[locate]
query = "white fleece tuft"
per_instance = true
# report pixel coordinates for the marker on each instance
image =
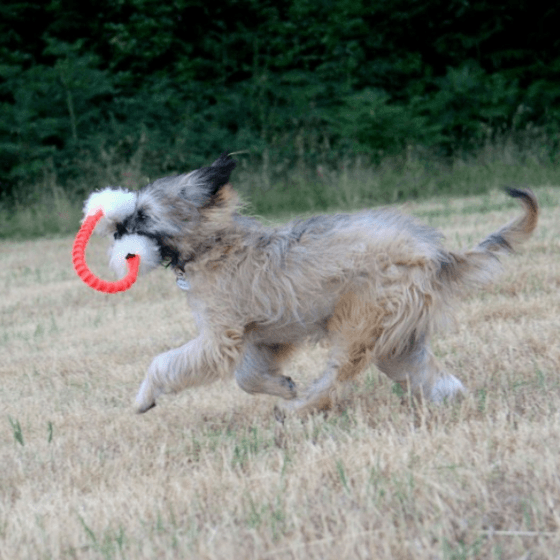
(136, 245)
(117, 204)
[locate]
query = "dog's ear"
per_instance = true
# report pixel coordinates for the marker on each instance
(201, 185)
(197, 187)
(217, 175)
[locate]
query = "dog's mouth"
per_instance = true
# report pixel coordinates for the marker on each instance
(128, 244)
(170, 258)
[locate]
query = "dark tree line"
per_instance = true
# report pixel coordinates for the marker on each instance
(286, 80)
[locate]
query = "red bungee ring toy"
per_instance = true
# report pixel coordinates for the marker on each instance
(82, 269)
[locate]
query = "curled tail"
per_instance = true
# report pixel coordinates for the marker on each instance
(480, 265)
(519, 230)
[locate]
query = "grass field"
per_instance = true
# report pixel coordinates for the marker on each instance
(210, 474)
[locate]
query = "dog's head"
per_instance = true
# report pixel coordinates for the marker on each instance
(165, 220)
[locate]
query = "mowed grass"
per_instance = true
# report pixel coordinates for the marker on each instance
(210, 474)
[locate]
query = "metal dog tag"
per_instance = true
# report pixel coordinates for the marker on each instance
(183, 283)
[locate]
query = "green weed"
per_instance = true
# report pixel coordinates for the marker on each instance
(111, 545)
(17, 431)
(461, 550)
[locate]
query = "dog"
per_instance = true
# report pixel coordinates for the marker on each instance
(375, 285)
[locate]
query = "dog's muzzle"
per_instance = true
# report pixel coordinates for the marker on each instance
(135, 244)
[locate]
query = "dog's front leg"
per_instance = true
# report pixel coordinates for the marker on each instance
(199, 362)
(260, 370)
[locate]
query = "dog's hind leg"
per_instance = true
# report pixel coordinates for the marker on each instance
(353, 330)
(417, 369)
(344, 365)
(259, 371)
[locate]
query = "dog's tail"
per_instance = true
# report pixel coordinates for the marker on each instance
(480, 265)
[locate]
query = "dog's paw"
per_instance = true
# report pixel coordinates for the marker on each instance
(446, 388)
(290, 409)
(289, 390)
(141, 408)
(146, 397)
(303, 407)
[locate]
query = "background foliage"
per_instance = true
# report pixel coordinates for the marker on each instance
(104, 91)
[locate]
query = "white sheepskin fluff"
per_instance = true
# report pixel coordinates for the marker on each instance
(136, 245)
(117, 204)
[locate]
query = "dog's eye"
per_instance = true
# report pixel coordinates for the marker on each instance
(140, 216)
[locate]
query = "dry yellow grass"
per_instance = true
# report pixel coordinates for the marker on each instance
(209, 473)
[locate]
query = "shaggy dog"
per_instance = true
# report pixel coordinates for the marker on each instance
(374, 285)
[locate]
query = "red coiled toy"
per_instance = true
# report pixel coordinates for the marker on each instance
(81, 267)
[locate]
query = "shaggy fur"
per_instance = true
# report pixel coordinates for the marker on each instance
(375, 285)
